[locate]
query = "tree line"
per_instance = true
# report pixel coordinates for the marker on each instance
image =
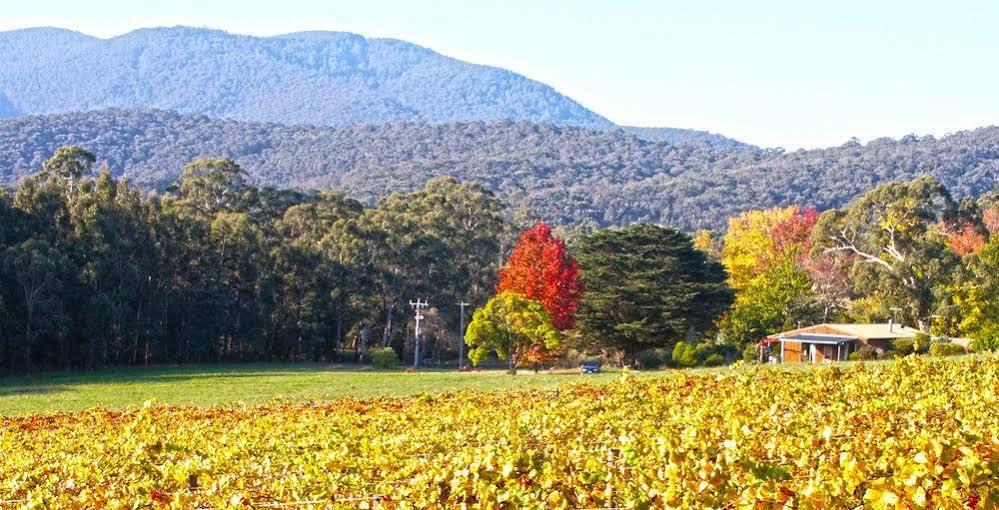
(97, 273)
(904, 252)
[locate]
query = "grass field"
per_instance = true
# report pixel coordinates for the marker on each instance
(206, 385)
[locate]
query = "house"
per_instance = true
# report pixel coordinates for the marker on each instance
(835, 342)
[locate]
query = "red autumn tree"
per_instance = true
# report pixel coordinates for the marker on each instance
(795, 232)
(541, 268)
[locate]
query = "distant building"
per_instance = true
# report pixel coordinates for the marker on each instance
(834, 342)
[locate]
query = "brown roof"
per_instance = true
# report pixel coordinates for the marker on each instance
(865, 331)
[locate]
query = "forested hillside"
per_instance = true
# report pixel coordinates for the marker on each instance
(685, 136)
(568, 175)
(326, 78)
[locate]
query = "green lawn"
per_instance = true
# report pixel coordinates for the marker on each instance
(207, 385)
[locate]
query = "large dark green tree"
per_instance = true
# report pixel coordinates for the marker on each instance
(646, 286)
(35, 270)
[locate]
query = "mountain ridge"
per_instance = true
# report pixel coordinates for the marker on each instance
(567, 174)
(322, 78)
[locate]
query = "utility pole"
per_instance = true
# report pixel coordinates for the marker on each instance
(418, 307)
(461, 334)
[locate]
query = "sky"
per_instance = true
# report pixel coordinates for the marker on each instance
(776, 73)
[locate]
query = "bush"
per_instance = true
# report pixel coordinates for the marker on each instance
(987, 340)
(684, 355)
(705, 350)
(652, 358)
(751, 353)
(903, 346)
(714, 360)
(384, 357)
(866, 352)
(946, 349)
(921, 343)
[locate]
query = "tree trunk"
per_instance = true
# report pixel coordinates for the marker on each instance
(339, 333)
(387, 332)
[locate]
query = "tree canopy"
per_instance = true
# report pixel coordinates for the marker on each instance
(570, 176)
(511, 326)
(540, 268)
(646, 286)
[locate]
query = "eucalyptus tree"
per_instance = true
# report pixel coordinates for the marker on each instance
(897, 236)
(36, 268)
(114, 250)
(211, 184)
(70, 164)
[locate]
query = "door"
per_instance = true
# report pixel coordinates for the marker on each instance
(792, 351)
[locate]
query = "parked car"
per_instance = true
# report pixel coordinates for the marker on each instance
(590, 367)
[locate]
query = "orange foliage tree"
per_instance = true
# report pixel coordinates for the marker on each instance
(541, 269)
(965, 239)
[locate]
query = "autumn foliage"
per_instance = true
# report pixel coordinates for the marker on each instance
(966, 240)
(541, 269)
(795, 231)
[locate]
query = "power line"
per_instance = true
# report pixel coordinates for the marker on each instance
(418, 307)
(461, 335)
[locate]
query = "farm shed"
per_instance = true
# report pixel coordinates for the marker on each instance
(835, 342)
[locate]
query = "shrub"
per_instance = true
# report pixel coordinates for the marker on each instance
(705, 350)
(866, 352)
(987, 340)
(946, 349)
(714, 360)
(751, 353)
(652, 358)
(384, 357)
(921, 343)
(684, 355)
(903, 346)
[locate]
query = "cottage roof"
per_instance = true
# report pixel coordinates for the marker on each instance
(876, 330)
(865, 331)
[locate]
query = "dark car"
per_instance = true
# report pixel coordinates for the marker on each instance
(590, 367)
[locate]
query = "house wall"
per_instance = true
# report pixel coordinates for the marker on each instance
(792, 352)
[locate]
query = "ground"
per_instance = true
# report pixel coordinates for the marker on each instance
(206, 385)
(258, 383)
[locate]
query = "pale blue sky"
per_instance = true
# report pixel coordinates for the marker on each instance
(775, 73)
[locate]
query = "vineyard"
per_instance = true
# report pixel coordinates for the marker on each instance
(915, 433)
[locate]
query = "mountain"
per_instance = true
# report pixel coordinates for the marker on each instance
(568, 174)
(323, 78)
(320, 78)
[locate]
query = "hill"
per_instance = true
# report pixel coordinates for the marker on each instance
(320, 78)
(324, 78)
(678, 136)
(568, 174)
